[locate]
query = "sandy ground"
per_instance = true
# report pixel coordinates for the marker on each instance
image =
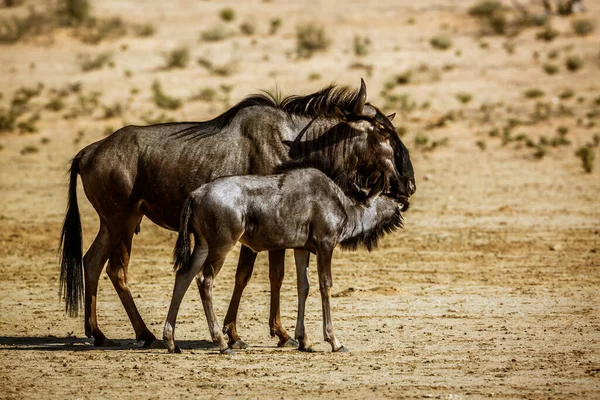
(491, 290)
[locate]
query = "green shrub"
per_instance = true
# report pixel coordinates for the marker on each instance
(206, 94)
(77, 11)
(441, 42)
(91, 63)
(55, 104)
(144, 30)
(227, 14)
(548, 33)
(533, 93)
(566, 94)
(96, 30)
(361, 45)
(215, 34)
(586, 154)
(551, 69)
(574, 63)
(274, 25)
(485, 8)
(162, 100)
(583, 27)
(310, 39)
(248, 28)
(16, 28)
(29, 149)
(464, 97)
(112, 111)
(177, 58)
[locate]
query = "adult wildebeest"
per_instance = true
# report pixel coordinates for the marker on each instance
(302, 209)
(150, 171)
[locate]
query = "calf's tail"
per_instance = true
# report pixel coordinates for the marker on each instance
(182, 251)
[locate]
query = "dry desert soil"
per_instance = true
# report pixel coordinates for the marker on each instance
(490, 290)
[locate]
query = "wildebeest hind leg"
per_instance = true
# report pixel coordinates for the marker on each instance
(242, 276)
(93, 264)
(117, 272)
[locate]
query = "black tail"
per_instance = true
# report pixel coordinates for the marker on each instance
(71, 265)
(182, 252)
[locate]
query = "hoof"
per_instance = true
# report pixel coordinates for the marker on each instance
(155, 344)
(238, 345)
(306, 349)
(228, 352)
(342, 350)
(176, 350)
(104, 342)
(289, 343)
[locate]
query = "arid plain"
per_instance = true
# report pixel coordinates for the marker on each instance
(490, 290)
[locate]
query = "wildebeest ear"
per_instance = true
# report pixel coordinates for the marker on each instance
(377, 188)
(362, 109)
(391, 116)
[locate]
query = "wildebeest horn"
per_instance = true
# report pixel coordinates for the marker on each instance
(391, 116)
(359, 107)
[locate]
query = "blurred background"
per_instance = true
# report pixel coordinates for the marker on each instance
(491, 288)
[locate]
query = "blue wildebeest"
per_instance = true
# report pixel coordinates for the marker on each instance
(149, 171)
(301, 209)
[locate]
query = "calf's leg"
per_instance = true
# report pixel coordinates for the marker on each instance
(302, 258)
(325, 283)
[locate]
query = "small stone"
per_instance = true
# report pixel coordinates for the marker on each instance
(556, 247)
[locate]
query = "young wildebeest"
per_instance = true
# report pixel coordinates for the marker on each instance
(302, 209)
(149, 171)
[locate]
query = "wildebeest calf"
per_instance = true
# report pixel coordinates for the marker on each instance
(300, 209)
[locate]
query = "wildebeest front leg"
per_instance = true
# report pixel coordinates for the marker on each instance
(276, 274)
(302, 259)
(183, 278)
(242, 277)
(325, 283)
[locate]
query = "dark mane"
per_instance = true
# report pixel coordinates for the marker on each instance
(331, 101)
(370, 239)
(328, 102)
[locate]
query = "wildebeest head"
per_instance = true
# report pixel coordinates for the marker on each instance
(386, 152)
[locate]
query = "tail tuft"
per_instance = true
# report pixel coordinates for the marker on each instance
(71, 250)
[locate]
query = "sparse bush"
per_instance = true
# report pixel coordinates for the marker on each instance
(112, 111)
(248, 28)
(55, 104)
(162, 100)
(361, 45)
(540, 152)
(77, 11)
(227, 69)
(204, 62)
(464, 97)
(485, 8)
(548, 33)
(586, 154)
(28, 125)
(227, 14)
(310, 39)
(96, 30)
(533, 93)
(314, 76)
(441, 42)
(45, 140)
(90, 63)
(481, 144)
(177, 58)
(574, 63)
(274, 25)
(551, 69)
(566, 94)
(402, 78)
(206, 94)
(29, 149)
(13, 3)
(215, 34)
(16, 28)
(144, 30)
(583, 27)
(498, 23)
